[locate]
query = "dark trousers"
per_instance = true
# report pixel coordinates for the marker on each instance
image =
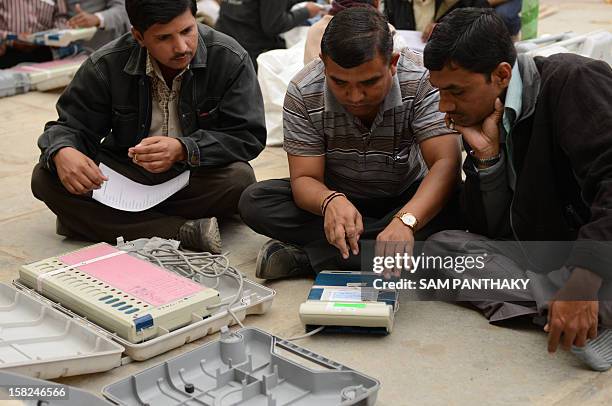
(510, 13)
(211, 192)
(506, 260)
(13, 56)
(269, 209)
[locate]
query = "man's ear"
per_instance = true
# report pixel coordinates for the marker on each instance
(393, 63)
(502, 74)
(137, 36)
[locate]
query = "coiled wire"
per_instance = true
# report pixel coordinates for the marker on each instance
(200, 267)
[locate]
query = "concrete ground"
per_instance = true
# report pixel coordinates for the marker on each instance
(438, 353)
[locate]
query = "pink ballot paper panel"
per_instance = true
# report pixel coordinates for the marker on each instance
(48, 66)
(139, 278)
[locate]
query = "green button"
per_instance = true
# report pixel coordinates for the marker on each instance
(353, 305)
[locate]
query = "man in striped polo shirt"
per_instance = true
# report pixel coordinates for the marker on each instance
(25, 17)
(369, 154)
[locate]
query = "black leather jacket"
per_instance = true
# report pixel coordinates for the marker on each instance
(108, 104)
(401, 15)
(561, 153)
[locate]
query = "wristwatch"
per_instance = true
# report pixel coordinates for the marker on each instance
(485, 162)
(408, 219)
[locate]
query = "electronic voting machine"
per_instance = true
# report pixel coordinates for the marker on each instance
(125, 295)
(347, 301)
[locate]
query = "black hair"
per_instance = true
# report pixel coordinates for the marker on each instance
(475, 39)
(339, 5)
(355, 36)
(145, 13)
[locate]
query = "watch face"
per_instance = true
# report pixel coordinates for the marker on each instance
(409, 219)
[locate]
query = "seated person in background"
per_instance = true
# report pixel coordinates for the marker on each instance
(24, 17)
(421, 15)
(539, 169)
(109, 16)
(509, 11)
(172, 96)
(256, 24)
(315, 32)
(369, 155)
(209, 11)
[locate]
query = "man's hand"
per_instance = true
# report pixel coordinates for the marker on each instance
(396, 238)
(77, 172)
(576, 321)
(22, 43)
(157, 154)
(2, 48)
(343, 224)
(83, 19)
(572, 316)
(484, 139)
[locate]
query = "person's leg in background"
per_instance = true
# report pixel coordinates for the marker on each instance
(509, 11)
(14, 56)
(185, 216)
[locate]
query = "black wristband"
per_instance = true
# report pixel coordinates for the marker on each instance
(330, 199)
(324, 202)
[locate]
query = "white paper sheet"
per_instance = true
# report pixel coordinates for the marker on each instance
(124, 194)
(414, 39)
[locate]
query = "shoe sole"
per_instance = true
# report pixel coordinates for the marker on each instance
(213, 230)
(260, 257)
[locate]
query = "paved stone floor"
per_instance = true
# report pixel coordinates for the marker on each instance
(438, 353)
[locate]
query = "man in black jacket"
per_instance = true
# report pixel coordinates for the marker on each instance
(420, 15)
(256, 24)
(172, 96)
(538, 132)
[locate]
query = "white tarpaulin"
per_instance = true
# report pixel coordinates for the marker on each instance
(276, 68)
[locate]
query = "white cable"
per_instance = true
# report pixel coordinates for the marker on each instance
(309, 334)
(195, 266)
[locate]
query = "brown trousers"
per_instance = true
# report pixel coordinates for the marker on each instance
(211, 192)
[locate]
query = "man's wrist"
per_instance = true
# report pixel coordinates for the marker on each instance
(582, 285)
(181, 155)
(587, 280)
(485, 153)
(100, 18)
(398, 221)
(324, 196)
(485, 159)
(330, 198)
(407, 219)
(55, 154)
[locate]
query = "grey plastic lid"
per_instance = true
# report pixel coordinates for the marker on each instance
(245, 368)
(40, 341)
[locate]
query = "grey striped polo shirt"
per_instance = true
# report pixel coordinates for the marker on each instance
(382, 161)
